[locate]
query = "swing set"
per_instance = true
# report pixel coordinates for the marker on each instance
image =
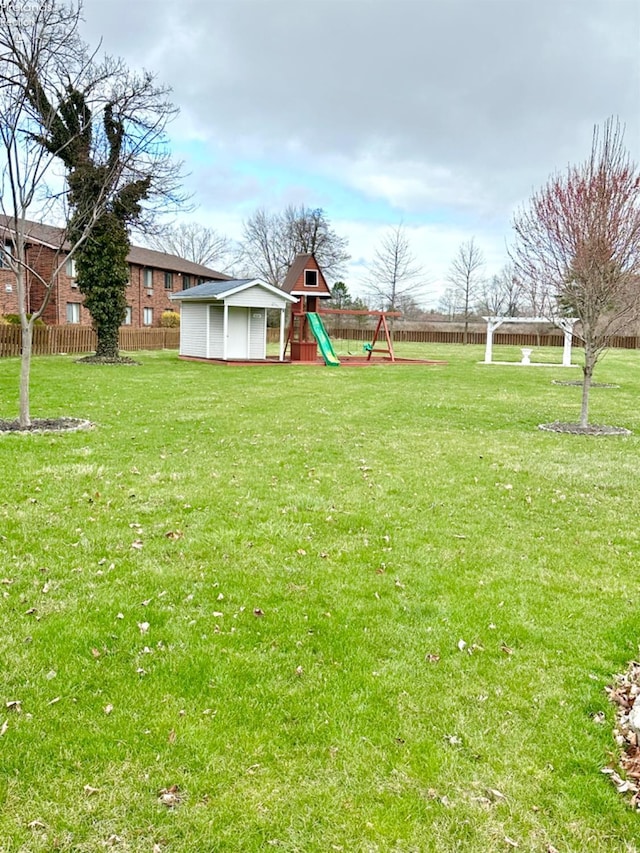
(381, 335)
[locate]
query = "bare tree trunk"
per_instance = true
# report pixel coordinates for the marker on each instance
(465, 334)
(25, 371)
(589, 364)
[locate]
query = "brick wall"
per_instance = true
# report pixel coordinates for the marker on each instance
(138, 295)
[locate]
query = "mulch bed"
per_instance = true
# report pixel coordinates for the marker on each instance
(99, 359)
(579, 384)
(590, 429)
(623, 693)
(45, 425)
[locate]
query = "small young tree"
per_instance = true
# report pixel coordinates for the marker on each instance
(38, 42)
(465, 277)
(578, 246)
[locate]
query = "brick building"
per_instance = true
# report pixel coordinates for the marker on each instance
(153, 277)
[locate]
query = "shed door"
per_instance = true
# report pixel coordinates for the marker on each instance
(257, 337)
(238, 333)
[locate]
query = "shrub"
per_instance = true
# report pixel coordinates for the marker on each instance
(14, 320)
(170, 320)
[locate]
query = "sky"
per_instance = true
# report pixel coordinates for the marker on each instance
(443, 115)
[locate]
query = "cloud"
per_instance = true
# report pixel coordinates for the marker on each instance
(442, 114)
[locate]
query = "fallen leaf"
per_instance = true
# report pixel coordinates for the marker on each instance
(432, 658)
(37, 824)
(258, 612)
(495, 795)
(462, 645)
(511, 842)
(174, 534)
(89, 790)
(14, 705)
(172, 736)
(4, 727)
(299, 671)
(96, 653)
(170, 797)
(108, 709)
(144, 627)
(506, 649)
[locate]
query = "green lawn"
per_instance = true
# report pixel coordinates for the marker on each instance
(252, 583)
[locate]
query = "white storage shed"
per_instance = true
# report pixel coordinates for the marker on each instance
(227, 320)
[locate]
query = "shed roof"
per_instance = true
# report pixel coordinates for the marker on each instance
(218, 290)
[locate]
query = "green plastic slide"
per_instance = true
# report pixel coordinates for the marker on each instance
(324, 342)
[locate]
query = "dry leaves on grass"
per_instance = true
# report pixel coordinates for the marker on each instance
(170, 797)
(624, 693)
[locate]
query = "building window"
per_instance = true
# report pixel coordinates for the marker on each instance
(186, 282)
(127, 316)
(130, 279)
(71, 268)
(148, 278)
(5, 254)
(147, 318)
(168, 281)
(311, 278)
(73, 312)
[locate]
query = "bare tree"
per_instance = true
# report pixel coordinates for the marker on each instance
(465, 276)
(109, 131)
(578, 245)
(271, 241)
(394, 272)
(197, 243)
(447, 303)
(502, 294)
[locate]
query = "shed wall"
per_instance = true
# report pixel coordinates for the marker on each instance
(216, 327)
(257, 333)
(193, 330)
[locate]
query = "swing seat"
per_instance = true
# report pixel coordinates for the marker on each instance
(367, 348)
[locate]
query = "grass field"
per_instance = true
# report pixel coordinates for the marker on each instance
(252, 583)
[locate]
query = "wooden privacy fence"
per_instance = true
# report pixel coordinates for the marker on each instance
(438, 336)
(53, 340)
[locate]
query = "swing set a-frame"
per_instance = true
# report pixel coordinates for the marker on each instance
(381, 335)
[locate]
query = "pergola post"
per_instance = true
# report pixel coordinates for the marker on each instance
(493, 323)
(567, 328)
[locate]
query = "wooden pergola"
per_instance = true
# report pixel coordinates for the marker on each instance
(564, 323)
